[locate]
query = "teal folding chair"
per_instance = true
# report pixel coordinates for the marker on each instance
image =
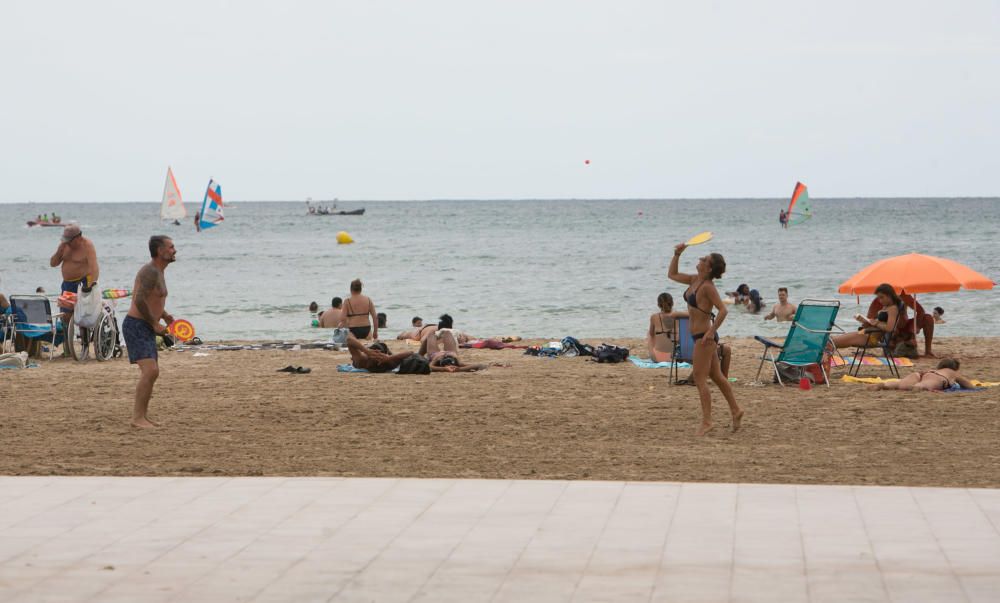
(807, 338)
(33, 320)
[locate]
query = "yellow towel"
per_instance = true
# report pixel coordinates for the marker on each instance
(849, 379)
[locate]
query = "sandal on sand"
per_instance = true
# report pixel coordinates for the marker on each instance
(287, 369)
(302, 370)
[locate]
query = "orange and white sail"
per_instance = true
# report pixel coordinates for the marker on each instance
(172, 207)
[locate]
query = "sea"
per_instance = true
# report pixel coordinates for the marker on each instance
(535, 268)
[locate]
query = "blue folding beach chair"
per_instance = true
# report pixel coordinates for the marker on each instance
(807, 338)
(33, 320)
(683, 347)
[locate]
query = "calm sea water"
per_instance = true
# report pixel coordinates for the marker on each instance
(592, 269)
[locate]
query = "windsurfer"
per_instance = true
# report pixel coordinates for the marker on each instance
(142, 324)
(197, 221)
(783, 219)
(77, 256)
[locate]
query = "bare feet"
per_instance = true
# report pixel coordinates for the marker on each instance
(143, 423)
(704, 429)
(155, 423)
(737, 420)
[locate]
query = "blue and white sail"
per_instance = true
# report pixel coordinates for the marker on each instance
(211, 207)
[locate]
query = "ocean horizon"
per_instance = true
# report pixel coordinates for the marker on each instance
(536, 268)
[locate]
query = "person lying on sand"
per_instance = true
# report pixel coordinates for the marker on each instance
(441, 351)
(943, 377)
(373, 360)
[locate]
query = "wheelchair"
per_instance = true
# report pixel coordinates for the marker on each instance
(104, 337)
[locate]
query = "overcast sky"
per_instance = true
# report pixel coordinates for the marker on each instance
(506, 99)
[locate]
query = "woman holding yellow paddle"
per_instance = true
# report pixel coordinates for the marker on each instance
(701, 297)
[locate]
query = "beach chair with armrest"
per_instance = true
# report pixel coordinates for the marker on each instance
(807, 338)
(683, 347)
(33, 320)
(6, 331)
(884, 343)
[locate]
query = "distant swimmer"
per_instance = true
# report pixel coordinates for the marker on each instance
(783, 310)
(142, 324)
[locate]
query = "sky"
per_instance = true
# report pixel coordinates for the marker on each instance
(443, 99)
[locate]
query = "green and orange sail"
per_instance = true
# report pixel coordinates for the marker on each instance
(799, 208)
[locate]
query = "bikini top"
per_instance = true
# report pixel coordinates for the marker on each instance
(663, 330)
(691, 297)
(349, 314)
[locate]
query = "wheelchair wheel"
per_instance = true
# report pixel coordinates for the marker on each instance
(77, 339)
(105, 337)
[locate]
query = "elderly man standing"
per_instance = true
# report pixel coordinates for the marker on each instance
(78, 258)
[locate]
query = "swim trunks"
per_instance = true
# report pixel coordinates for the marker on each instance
(71, 286)
(140, 339)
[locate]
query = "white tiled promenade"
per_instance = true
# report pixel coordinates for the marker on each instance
(331, 539)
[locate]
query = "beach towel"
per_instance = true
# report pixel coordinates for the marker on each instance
(491, 344)
(349, 368)
(644, 363)
(869, 361)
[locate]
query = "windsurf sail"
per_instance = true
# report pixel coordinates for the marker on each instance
(172, 207)
(211, 207)
(799, 209)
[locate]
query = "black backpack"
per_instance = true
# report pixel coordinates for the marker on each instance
(610, 353)
(414, 364)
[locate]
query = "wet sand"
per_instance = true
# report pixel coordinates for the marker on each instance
(231, 413)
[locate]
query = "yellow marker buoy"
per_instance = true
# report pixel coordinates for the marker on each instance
(343, 238)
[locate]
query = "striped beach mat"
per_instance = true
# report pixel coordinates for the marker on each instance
(869, 361)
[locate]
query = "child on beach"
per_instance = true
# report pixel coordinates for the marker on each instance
(943, 377)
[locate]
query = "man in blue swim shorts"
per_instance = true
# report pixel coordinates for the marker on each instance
(78, 258)
(142, 324)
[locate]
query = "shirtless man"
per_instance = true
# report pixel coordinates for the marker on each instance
(373, 360)
(142, 324)
(783, 310)
(330, 318)
(78, 258)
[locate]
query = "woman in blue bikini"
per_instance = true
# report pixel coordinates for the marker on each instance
(701, 297)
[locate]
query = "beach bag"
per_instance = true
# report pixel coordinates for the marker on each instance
(88, 307)
(791, 374)
(340, 335)
(906, 349)
(573, 347)
(414, 364)
(610, 353)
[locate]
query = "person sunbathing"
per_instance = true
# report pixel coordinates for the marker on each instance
(373, 360)
(441, 351)
(941, 378)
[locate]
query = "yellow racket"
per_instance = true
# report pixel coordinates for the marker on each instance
(698, 239)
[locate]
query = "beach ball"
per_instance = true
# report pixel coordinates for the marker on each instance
(343, 238)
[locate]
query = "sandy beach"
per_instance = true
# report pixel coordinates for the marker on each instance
(230, 413)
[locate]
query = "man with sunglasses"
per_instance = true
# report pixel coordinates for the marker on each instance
(78, 258)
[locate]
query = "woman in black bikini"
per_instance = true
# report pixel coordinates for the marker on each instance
(943, 377)
(886, 320)
(359, 314)
(701, 296)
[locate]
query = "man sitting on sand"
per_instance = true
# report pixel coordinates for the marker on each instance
(783, 310)
(373, 360)
(943, 377)
(331, 316)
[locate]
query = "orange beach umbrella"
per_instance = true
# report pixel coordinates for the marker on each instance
(916, 273)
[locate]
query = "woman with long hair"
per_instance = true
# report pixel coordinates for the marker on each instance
(873, 329)
(701, 297)
(660, 336)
